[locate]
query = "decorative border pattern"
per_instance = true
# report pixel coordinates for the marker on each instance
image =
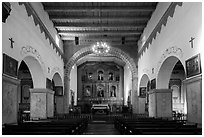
(172, 51)
(32, 51)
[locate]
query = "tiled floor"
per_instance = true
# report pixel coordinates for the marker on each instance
(101, 128)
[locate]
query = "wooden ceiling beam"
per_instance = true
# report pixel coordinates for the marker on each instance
(127, 28)
(57, 8)
(99, 20)
(100, 32)
(97, 34)
(102, 24)
(107, 38)
(97, 17)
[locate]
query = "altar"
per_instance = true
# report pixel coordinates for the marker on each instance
(100, 109)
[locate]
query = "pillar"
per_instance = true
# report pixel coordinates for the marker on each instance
(160, 103)
(141, 105)
(59, 104)
(66, 94)
(10, 90)
(135, 99)
(41, 103)
(193, 88)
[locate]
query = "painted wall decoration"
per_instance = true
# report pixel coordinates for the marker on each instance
(171, 51)
(193, 66)
(10, 66)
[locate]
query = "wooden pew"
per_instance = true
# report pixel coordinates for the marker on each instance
(63, 127)
(155, 126)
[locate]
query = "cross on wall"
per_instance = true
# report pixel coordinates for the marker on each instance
(191, 41)
(12, 42)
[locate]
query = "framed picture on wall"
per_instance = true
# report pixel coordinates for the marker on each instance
(153, 84)
(193, 66)
(10, 66)
(143, 91)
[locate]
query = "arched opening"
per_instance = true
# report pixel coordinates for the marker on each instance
(26, 83)
(170, 76)
(58, 88)
(31, 75)
(117, 54)
(179, 105)
(143, 94)
(36, 70)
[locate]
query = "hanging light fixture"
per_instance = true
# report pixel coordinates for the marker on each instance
(100, 48)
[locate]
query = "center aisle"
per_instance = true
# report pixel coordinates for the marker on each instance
(101, 128)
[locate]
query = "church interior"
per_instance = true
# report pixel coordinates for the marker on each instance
(101, 68)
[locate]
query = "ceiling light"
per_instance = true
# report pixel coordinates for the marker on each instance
(100, 48)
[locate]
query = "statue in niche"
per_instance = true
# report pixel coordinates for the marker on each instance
(88, 91)
(72, 98)
(90, 76)
(100, 92)
(113, 91)
(110, 76)
(100, 75)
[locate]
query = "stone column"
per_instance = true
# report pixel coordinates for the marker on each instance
(135, 100)
(193, 87)
(160, 103)
(10, 91)
(59, 104)
(41, 103)
(142, 105)
(66, 94)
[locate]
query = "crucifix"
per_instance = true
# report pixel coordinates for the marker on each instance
(11, 39)
(191, 41)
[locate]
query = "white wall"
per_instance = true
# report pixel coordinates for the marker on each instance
(22, 29)
(73, 83)
(186, 23)
(127, 82)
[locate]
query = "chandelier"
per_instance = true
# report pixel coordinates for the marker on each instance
(100, 48)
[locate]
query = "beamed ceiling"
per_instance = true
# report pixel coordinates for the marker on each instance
(112, 22)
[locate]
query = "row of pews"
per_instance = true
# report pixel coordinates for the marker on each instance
(47, 127)
(155, 126)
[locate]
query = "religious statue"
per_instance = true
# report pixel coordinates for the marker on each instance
(100, 92)
(110, 76)
(87, 91)
(100, 75)
(112, 91)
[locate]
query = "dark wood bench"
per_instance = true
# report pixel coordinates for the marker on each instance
(66, 127)
(155, 126)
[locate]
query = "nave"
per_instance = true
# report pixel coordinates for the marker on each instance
(103, 125)
(72, 68)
